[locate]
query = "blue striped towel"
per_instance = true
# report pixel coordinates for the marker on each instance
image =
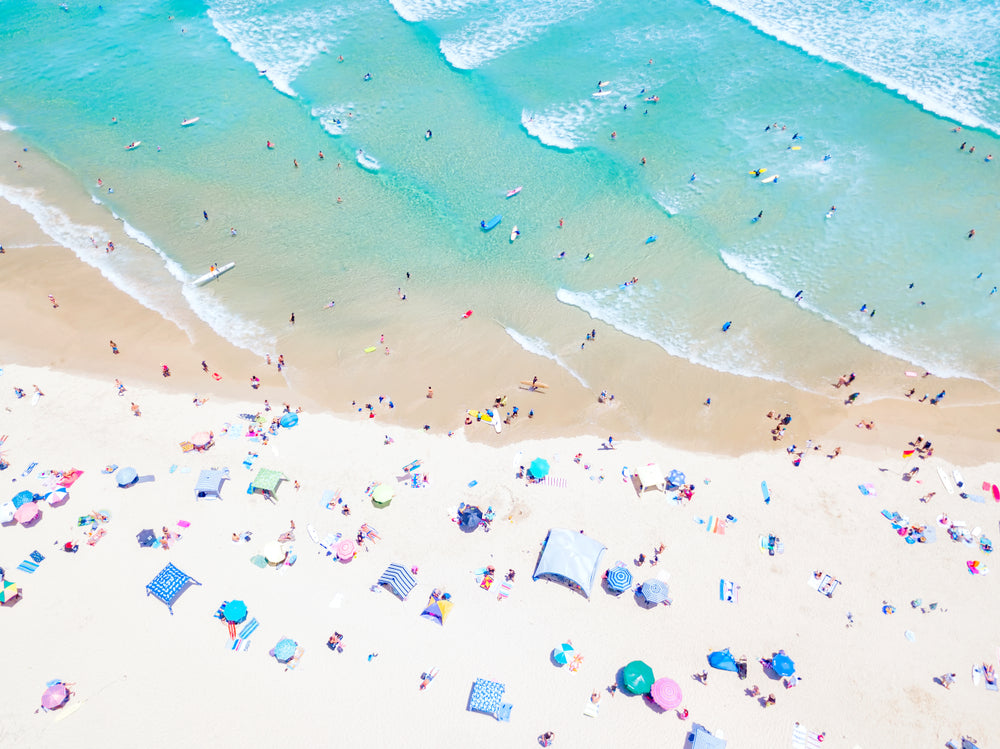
(27, 566)
(248, 629)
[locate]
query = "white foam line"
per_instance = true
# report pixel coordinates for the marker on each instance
(538, 347)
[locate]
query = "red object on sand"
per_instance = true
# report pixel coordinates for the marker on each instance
(996, 492)
(467, 315)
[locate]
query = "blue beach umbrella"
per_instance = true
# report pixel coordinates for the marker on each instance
(619, 578)
(236, 612)
(563, 654)
(782, 665)
(284, 650)
(539, 468)
(676, 478)
(22, 498)
(655, 591)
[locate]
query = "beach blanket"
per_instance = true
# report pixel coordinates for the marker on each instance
(803, 738)
(69, 478)
(716, 525)
(591, 709)
(729, 591)
(560, 483)
(867, 489)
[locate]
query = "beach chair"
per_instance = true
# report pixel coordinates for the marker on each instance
(503, 713)
(295, 658)
(187, 447)
(411, 466)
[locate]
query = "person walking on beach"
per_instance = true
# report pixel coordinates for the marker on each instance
(291, 320)
(55, 304)
(114, 347)
(135, 410)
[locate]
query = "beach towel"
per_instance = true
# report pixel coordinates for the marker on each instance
(29, 469)
(96, 536)
(248, 629)
(803, 738)
(486, 582)
(868, 490)
(592, 709)
(37, 556)
(503, 713)
(504, 591)
(716, 525)
(27, 566)
(729, 591)
(559, 483)
(69, 478)
(295, 658)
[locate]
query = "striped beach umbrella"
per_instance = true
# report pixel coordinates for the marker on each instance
(8, 591)
(619, 578)
(655, 591)
(666, 693)
(563, 654)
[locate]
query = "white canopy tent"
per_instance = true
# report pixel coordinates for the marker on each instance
(651, 477)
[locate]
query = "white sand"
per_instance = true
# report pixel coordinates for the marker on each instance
(142, 674)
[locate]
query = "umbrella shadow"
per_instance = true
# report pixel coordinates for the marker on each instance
(33, 522)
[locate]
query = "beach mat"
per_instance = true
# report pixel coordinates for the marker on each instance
(803, 738)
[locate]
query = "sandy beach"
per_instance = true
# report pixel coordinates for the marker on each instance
(85, 619)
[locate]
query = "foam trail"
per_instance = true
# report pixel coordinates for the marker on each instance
(6, 126)
(415, 11)
(538, 347)
(334, 118)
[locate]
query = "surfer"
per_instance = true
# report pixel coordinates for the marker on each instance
(972, 233)
(726, 325)
(561, 256)
(368, 77)
(270, 144)
(588, 256)
(693, 178)
(758, 217)
(798, 295)
(205, 214)
(428, 135)
(321, 156)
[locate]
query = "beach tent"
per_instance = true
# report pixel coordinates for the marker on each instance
(169, 584)
(700, 738)
(210, 483)
(570, 557)
(267, 481)
(398, 579)
(437, 611)
(651, 477)
(486, 696)
(723, 660)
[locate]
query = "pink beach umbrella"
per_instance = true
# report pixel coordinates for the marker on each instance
(55, 696)
(26, 512)
(201, 440)
(666, 693)
(346, 550)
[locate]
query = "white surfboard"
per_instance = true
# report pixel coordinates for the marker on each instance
(497, 419)
(599, 94)
(959, 479)
(945, 481)
(772, 178)
(977, 674)
(213, 274)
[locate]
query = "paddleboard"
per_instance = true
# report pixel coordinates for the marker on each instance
(977, 674)
(945, 481)
(959, 479)
(515, 191)
(191, 121)
(213, 274)
(491, 224)
(772, 178)
(795, 148)
(766, 492)
(133, 145)
(652, 238)
(536, 385)
(996, 493)
(599, 94)
(481, 415)
(514, 233)
(467, 315)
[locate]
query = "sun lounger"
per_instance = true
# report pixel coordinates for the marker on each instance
(295, 658)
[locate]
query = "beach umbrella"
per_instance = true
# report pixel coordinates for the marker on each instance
(146, 537)
(539, 468)
(8, 591)
(284, 650)
(22, 498)
(126, 476)
(563, 654)
(619, 578)
(55, 696)
(722, 660)
(469, 518)
(782, 665)
(26, 513)
(289, 420)
(666, 693)
(235, 612)
(274, 553)
(57, 497)
(7, 511)
(637, 677)
(346, 550)
(676, 478)
(382, 495)
(655, 591)
(201, 439)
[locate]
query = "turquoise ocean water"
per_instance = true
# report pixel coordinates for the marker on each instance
(509, 89)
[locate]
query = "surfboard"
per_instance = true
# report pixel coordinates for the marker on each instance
(602, 84)
(996, 493)
(757, 172)
(795, 148)
(369, 349)
(959, 479)
(191, 121)
(599, 94)
(977, 674)
(515, 191)
(491, 224)
(652, 238)
(772, 178)
(536, 385)
(213, 274)
(497, 421)
(766, 492)
(514, 233)
(133, 145)
(945, 481)
(829, 214)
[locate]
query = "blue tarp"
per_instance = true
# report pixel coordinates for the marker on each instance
(169, 584)
(702, 739)
(398, 579)
(570, 557)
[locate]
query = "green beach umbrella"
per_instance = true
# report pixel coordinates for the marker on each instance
(637, 677)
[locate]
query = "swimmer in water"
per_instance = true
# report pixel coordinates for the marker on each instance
(693, 178)
(270, 144)
(759, 216)
(561, 256)
(428, 135)
(588, 256)
(972, 233)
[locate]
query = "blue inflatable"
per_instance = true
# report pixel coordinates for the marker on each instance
(722, 660)
(289, 420)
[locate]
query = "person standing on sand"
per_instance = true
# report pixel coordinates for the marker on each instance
(291, 320)
(430, 392)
